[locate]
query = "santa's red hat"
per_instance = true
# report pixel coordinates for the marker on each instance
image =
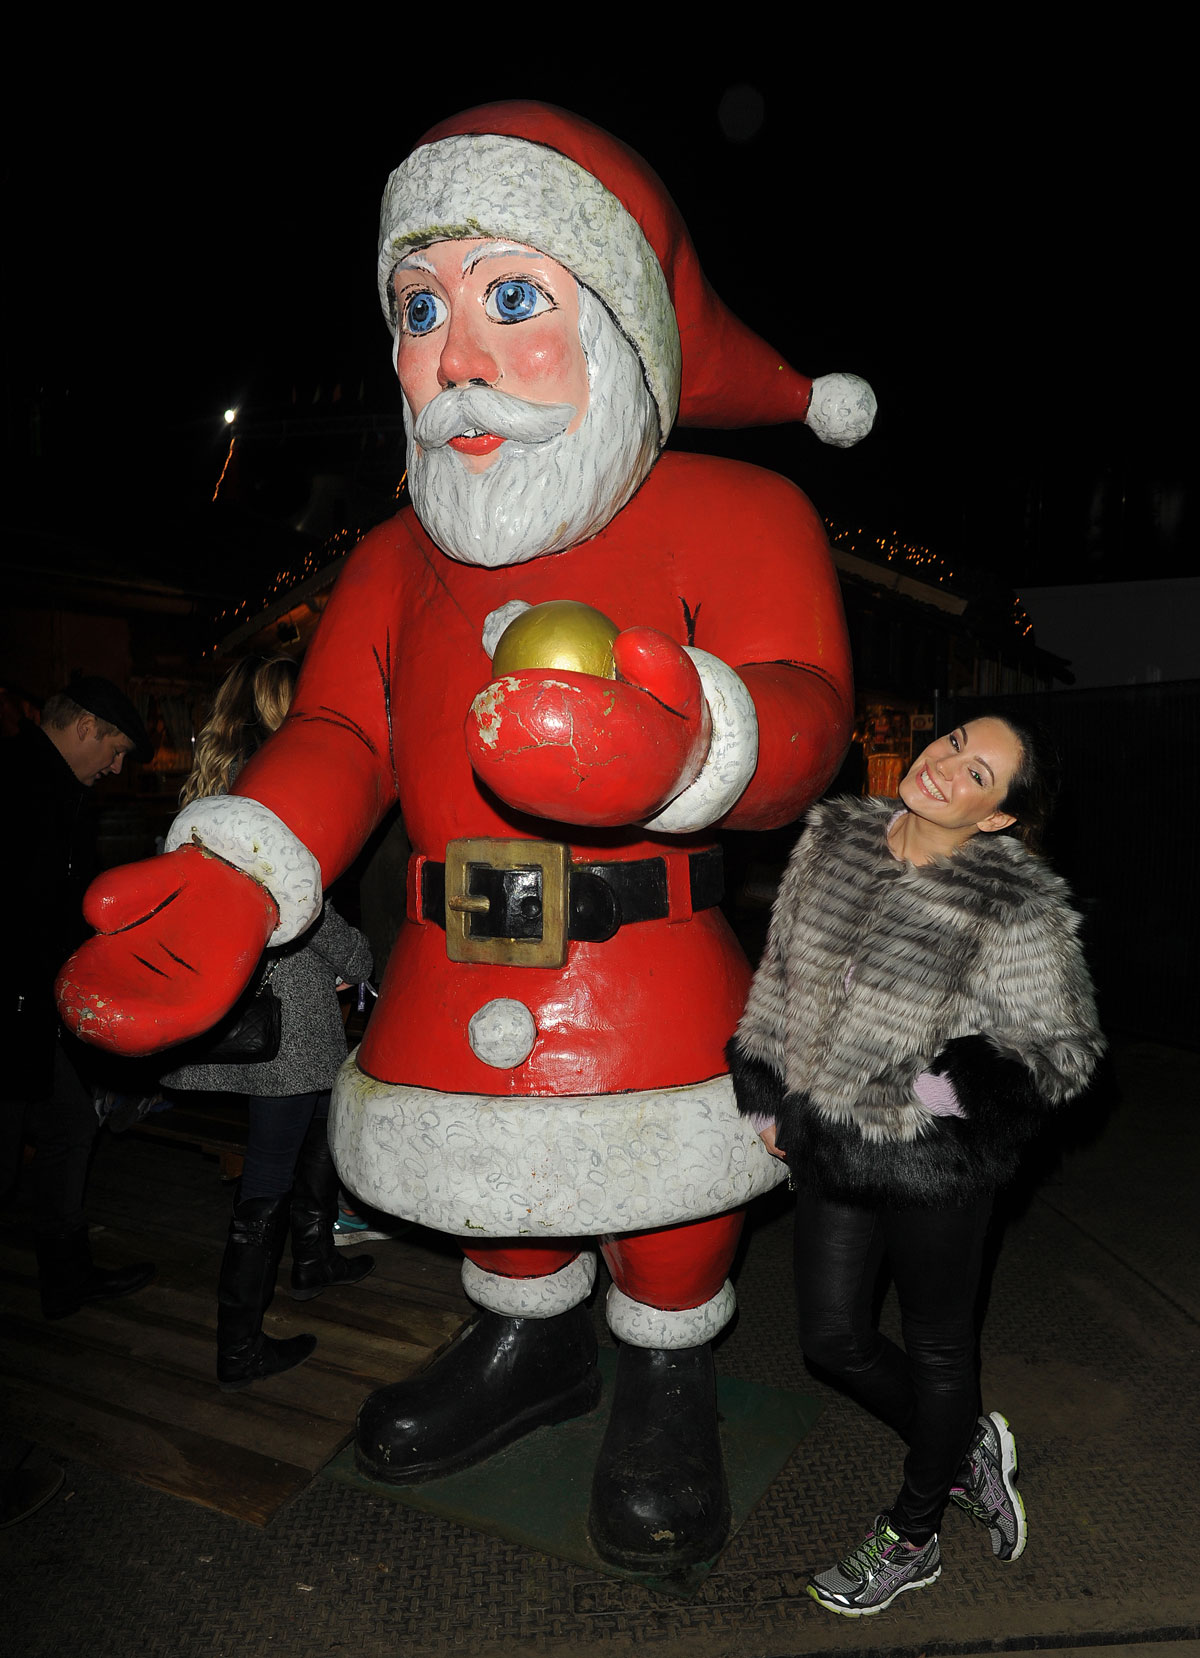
(552, 181)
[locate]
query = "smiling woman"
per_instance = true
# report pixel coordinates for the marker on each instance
(957, 788)
(921, 1005)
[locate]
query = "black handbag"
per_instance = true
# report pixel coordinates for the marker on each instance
(249, 1033)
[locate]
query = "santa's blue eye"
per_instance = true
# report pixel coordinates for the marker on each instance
(423, 312)
(514, 300)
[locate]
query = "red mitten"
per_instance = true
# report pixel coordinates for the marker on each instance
(579, 749)
(179, 937)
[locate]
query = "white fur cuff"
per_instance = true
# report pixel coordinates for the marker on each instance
(643, 1326)
(544, 1297)
(252, 839)
(496, 621)
(732, 753)
(841, 410)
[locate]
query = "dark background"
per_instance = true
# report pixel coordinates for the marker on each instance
(985, 224)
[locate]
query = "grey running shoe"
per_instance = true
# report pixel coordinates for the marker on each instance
(878, 1570)
(990, 1494)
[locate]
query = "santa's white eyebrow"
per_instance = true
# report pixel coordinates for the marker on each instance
(493, 250)
(415, 262)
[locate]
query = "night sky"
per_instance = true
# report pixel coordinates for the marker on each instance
(988, 232)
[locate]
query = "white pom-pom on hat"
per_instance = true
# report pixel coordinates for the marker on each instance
(842, 409)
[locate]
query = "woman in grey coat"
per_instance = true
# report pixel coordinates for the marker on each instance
(288, 1173)
(921, 1005)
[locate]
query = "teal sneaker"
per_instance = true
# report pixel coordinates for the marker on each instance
(348, 1223)
(352, 1228)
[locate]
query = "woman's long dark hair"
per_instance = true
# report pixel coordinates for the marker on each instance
(1034, 788)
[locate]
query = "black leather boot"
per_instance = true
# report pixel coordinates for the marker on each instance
(68, 1277)
(659, 1498)
(247, 1284)
(497, 1381)
(316, 1263)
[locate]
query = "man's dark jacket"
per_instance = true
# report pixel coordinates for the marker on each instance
(48, 856)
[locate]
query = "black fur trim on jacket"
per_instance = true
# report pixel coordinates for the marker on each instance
(957, 1159)
(991, 1088)
(759, 1089)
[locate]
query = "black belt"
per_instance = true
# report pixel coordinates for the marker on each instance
(519, 900)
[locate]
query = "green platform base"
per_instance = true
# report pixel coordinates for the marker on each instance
(536, 1492)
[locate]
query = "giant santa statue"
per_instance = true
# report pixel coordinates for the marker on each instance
(545, 1064)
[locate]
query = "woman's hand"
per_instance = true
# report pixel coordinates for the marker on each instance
(767, 1136)
(937, 1094)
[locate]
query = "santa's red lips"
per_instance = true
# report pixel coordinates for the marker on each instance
(481, 445)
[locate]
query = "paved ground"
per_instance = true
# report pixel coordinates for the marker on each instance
(1092, 1347)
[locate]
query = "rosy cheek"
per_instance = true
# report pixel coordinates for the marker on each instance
(545, 348)
(554, 370)
(546, 359)
(417, 374)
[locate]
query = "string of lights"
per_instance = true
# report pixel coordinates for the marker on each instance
(892, 550)
(334, 548)
(888, 549)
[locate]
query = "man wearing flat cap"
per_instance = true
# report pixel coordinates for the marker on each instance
(48, 838)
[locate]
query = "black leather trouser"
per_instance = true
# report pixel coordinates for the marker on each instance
(928, 1390)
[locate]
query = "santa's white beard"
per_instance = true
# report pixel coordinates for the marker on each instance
(542, 497)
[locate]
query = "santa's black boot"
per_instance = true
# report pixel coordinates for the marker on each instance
(659, 1498)
(500, 1379)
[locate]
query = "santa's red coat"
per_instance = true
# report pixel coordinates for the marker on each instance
(713, 553)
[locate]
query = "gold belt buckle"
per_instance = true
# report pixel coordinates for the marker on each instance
(553, 858)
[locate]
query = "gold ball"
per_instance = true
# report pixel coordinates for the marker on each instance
(559, 634)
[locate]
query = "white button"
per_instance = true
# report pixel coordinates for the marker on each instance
(502, 1033)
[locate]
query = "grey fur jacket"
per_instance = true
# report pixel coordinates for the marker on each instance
(877, 970)
(313, 1038)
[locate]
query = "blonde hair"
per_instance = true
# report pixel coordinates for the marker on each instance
(252, 702)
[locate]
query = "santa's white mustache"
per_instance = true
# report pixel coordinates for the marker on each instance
(465, 409)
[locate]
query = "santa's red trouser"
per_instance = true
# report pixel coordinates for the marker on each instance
(670, 1285)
